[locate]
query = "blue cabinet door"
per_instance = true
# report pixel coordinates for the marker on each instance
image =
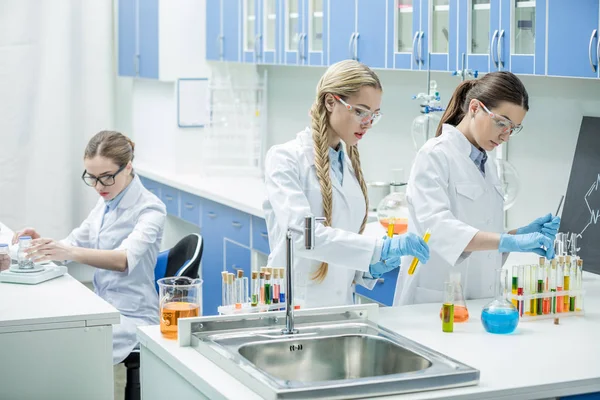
(270, 14)
(191, 208)
(423, 42)
(170, 196)
(384, 290)
(213, 30)
(260, 236)
(371, 30)
(440, 27)
(479, 40)
(232, 23)
(522, 47)
(317, 26)
(152, 186)
(237, 258)
(127, 37)
(212, 257)
(251, 30)
(573, 38)
(148, 38)
(404, 21)
(294, 20)
(342, 32)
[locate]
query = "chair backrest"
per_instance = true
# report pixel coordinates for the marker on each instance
(183, 259)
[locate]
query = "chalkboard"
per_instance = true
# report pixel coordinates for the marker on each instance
(581, 213)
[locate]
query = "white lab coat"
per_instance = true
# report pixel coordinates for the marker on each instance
(135, 225)
(293, 191)
(447, 194)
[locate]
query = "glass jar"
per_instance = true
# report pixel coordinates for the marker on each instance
(500, 315)
(4, 257)
(24, 261)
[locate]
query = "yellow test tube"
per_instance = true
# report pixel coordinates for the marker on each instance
(390, 229)
(415, 261)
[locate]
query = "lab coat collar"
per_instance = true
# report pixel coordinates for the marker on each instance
(132, 195)
(307, 145)
(458, 139)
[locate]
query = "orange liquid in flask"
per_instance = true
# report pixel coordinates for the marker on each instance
(461, 313)
(400, 225)
(171, 312)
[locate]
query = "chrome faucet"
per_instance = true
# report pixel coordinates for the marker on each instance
(309, 243)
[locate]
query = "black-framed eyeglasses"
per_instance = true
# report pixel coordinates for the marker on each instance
(105, 180)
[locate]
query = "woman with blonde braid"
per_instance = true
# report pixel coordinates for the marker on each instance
(313, 175)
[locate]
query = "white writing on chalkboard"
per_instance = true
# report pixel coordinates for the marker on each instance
(595, 210)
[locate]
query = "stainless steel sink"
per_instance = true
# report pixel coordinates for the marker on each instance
(333, 358)
(339, 353)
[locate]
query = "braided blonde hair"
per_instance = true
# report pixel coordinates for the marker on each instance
(343, 79)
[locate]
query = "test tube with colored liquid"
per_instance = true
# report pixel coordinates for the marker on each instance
(547, 300)
(515, 284)
(390, 228)
(559, 283)
(520, 282)
(540, 286)
(532, 290)
(268, 292)
(567, 283)
(283, 283)
(579, 299)
(553, 285)
(255, 289)
(526, 286)
(276, 285)
(574, 286)
(262, 287)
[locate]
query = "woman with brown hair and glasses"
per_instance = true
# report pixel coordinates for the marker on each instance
(456, 194)
(120, 237)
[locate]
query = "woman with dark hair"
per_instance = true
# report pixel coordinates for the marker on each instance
(455, 193)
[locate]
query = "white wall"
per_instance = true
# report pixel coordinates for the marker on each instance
(542, 152)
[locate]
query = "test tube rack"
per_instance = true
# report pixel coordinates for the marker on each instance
(549, 307)
(247, 308)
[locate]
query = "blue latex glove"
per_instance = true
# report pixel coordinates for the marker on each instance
(546, 225)
(529, 242)
(408, 244)
(380, 268)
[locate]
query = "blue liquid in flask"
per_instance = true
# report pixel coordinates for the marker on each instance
(500, 321)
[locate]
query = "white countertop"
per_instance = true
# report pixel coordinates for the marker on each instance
(62, 302)
(539, 360)
(245, 193)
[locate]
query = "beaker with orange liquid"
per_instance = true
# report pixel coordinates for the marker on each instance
(180, 297)
(461, 313)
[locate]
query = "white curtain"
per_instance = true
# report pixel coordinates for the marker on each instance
(57, 85)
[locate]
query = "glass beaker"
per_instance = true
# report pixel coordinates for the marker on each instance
(179, 297)
(461, 313)
(24, 261)
(4, 257)
(392, 212)
(500, 315)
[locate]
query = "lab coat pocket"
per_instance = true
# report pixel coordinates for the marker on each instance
(469, 190)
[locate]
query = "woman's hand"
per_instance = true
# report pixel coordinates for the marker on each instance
(25, 232)
(44, 249)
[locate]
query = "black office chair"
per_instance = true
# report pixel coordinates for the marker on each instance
(183, 259)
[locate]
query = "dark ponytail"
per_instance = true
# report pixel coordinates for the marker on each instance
(491, 89)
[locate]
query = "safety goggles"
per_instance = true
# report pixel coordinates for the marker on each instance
(363, 116)
(503, 124)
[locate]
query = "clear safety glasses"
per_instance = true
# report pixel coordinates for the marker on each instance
(363, 116)
(503, 124)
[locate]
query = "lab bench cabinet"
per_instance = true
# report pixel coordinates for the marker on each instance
(138, 38)
(229, 236)
(223, 29)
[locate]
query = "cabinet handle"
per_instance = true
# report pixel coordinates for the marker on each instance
(594, 32)
(420, 47)
(169, 198)
(212, 214)
(257, 46)
(494, 37)
(356, 35)
(350, 44)
(136, 63)
(264, 234)
(236, 224)
(414, 50)
(189, 206)
(380, 281)
(220, 45)
(598, 51)
(499, 51)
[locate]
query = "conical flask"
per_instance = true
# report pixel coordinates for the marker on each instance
(461, 313)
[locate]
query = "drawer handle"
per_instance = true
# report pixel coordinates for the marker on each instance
(212, 214)
(236, 224)
(380, 281)
(189, 206)
(169, 198)
(264, 234)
